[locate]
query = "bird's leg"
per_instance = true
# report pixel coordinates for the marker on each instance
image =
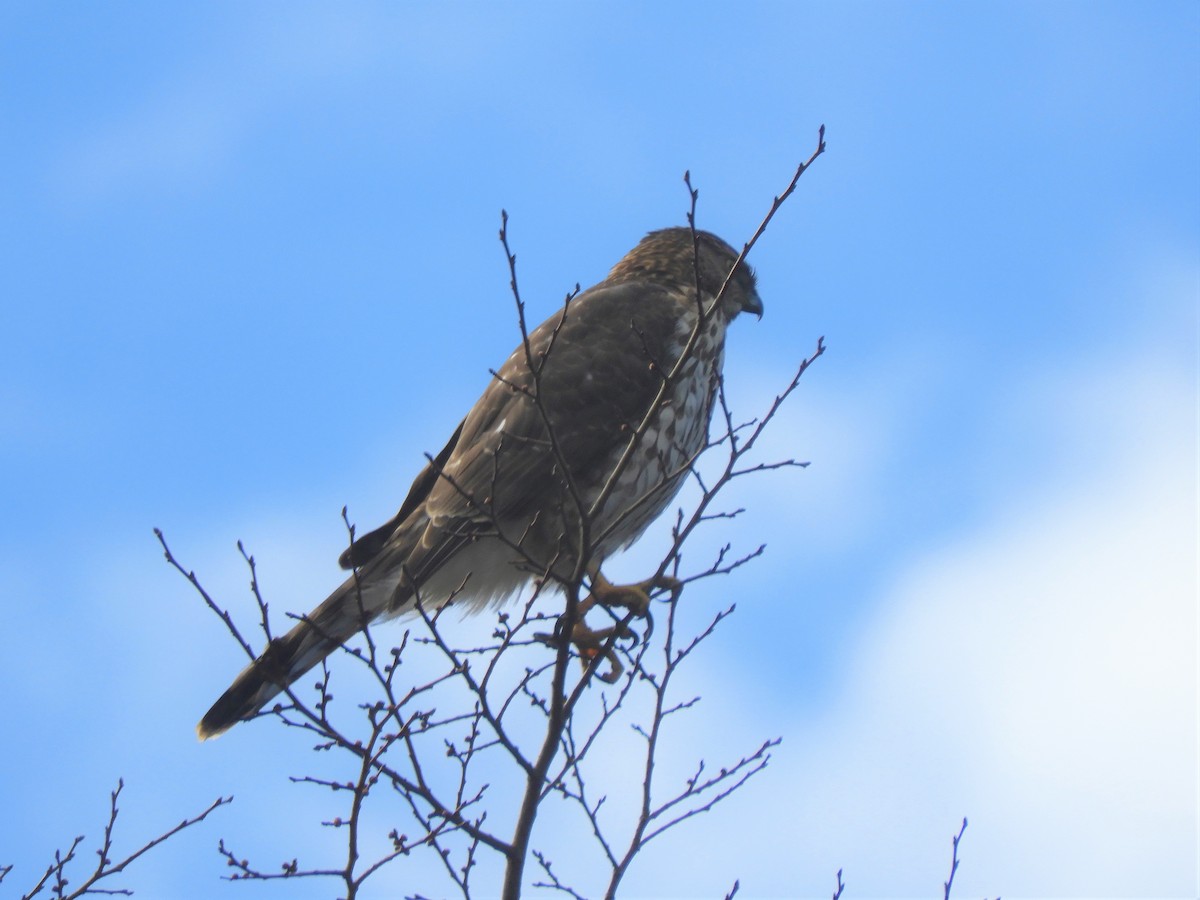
(596, 643)
(633, 597)
(592, 644)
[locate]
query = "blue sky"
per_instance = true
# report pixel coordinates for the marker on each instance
(250, 273)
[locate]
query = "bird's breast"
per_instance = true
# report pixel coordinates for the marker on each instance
(675, 435)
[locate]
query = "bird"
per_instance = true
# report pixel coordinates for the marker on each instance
(579, 441)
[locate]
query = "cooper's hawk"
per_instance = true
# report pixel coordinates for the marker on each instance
(508, 497)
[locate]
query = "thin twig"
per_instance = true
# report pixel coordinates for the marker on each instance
(105, 867)
(954, 860)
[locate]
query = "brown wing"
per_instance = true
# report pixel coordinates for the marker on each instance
(367, 546)
(600, 376)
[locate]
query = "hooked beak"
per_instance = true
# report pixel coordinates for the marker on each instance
(753, 303)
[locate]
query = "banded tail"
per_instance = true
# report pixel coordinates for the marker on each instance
(287, 658)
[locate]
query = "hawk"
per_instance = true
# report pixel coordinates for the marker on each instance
(580, 440)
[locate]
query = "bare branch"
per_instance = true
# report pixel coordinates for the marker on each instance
(55, 874)
(212, 604)
(954, 860)
(837, 894)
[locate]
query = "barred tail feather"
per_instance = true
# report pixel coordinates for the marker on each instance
(382, 588)
(287, 658)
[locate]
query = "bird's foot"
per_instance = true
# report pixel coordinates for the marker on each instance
(594, 644)
(633, 597)
(598, 644)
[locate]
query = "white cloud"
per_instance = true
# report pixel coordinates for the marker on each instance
(1038, 675)
(848, 428)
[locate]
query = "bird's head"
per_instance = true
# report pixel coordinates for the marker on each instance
(671, 256)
